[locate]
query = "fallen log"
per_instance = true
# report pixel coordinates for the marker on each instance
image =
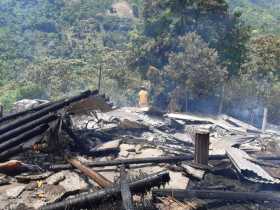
(125, 191)
(95, 198)
(44, 111)
(98, 178)
(167, 159)
(15, 132)
(215, 194)
(23, 137)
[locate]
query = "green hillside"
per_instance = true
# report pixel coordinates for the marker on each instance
(223, 50)
(262, 15)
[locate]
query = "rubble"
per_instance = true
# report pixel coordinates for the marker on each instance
(80, 153)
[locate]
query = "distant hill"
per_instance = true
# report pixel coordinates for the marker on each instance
(262, 15)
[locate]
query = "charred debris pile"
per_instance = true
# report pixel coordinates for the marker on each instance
(81, 153)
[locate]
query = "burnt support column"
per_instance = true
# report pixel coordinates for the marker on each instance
(201, 148)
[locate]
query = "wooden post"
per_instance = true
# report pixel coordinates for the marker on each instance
(201, 148)
(264, 122)
(1, 110)
(99, 78)
(125, 191)
(221, 104)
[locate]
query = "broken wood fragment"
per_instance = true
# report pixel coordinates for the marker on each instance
(194, 172)
(10, 165)
(94, 199)
(98, 178)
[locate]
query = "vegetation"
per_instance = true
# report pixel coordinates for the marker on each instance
(183, 50)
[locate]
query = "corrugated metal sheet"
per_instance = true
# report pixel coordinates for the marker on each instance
(248, 169)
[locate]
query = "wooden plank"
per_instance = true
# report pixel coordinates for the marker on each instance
(98, 178)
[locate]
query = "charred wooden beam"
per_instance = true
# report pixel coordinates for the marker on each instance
(96, 198)
(13, 116)
(168, 159)
(98, 178)
(44, 111)
(23, 137)
(125, 191)
(103, 152)
(15, 132)
(268, 157)
(214, 194)
(11, 152)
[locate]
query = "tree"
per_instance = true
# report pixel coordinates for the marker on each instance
(195, 67)
(263, 66)
(263, 70)
(55, 76)
(165, 21)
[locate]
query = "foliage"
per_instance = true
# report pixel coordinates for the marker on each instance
(263, 66)
(262, 15)
(59, 46)
(165, 21)
(263, 70)
(54, 48)
(195, 66)
(12, 92)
